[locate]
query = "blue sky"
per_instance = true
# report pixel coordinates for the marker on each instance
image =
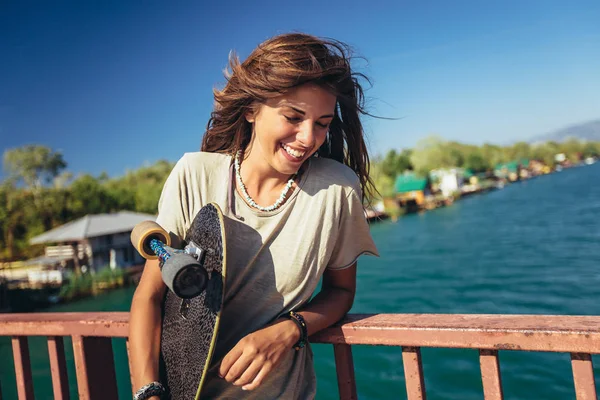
(115, 84)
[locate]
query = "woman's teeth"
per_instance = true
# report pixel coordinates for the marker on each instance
(292, 152)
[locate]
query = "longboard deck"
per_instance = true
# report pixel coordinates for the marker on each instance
(189, 327)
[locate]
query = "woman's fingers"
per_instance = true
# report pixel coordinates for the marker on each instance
(240, 365)
(254, 357)
(250, 373)
(229, 360)
(258, 379)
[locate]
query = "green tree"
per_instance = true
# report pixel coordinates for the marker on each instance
(517, 151)
(591, 149)
(15, 207)
(493, 154)
(572, 148)
(396, 163)
(432, 153)
(476, 163)
(384, 183)
(139, 190)
(545, 152)
(35, 165)
(88, 196)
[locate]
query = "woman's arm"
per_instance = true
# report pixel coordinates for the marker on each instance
(333, 301)
(255, 356)
(145, 326)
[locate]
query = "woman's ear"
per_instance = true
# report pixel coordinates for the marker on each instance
(250, 116)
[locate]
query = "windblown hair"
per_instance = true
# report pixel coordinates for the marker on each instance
(278, 65)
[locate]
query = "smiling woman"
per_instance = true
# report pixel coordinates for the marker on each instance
(284, 157)
(288, 130)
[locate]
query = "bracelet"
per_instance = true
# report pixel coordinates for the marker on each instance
(299, 321)
(149, 390)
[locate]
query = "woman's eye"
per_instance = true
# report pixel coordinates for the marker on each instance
(292, 119)
(322, 125)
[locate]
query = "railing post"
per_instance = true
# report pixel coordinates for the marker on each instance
(22, 368)
(95, 368)
(490, 375)
(583, 376)
(413, 373)
(344, 366)
(58, 368)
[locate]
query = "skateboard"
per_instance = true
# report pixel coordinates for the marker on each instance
(195, 276)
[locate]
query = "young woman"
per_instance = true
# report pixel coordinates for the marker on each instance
(286, 138)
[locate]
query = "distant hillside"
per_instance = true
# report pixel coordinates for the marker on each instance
(587, 131)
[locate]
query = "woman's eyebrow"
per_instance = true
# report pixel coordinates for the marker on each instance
(300, 111)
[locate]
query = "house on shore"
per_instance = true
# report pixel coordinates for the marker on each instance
(91, 242)
(449, 180)
(411, 191)
(513, 171)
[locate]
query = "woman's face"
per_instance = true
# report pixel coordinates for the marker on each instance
(288, 129)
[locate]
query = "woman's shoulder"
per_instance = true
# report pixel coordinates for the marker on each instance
(203, 161)
(203, 157)
(334, 173)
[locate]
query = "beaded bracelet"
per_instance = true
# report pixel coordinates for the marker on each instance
(299, 321)
(149, 390)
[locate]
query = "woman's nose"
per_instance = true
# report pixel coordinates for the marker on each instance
(306, 134)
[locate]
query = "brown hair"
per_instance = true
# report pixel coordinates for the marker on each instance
(277, 65)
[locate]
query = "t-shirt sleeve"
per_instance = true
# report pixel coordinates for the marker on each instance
(173, 205)
(354, 236)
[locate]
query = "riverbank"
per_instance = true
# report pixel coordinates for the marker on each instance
(23, 296)
(423, 200)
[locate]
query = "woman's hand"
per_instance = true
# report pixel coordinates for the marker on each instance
(255, 356)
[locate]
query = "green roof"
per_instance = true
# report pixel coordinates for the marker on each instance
(513, 165)
(409, 183)
(510, 166)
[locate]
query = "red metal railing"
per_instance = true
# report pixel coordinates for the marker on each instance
(95, 371)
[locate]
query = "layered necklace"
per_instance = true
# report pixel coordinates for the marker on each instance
(249, 199)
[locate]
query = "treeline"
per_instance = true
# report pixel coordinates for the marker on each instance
(434, 152)
(39, 194)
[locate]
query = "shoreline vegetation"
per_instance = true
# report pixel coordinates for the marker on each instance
(436, 173)
(22, 296)
(39, 193)
(91, 284)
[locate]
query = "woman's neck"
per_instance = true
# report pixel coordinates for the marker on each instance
(262, 183)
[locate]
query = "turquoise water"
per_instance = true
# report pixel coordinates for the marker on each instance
(530, 248)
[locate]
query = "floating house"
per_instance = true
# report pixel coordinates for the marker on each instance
(411, 191)
(92, 242)
(449, 181)
(513, 171)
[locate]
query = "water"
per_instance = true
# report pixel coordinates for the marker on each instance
(531, 248)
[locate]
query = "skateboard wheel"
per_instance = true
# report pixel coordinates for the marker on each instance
(184, 275)
(143, 233)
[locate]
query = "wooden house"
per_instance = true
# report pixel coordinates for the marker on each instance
(411, 191)
(92, 242)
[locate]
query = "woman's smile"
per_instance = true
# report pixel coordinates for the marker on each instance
(291, 154)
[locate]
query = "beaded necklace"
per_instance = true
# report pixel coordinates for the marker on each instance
(249, 199)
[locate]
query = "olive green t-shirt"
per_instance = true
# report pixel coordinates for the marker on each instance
(321, 225)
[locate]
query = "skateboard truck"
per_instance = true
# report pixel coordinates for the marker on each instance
(182, 270)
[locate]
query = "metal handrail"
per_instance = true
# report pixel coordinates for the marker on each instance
(92, 333)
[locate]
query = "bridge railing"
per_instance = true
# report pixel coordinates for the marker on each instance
(91, 335)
